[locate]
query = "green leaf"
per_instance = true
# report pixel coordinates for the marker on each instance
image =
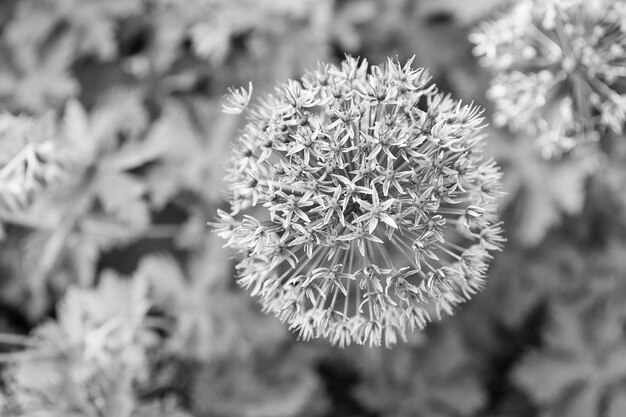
(122, 196)
(77, 132)
(164, 408)
(438, 379)
(581, 365)
(464, 12)
(549, 377)
(617, 405)
(89, 25)
(40, 82)
(542, 191)
(189, 162)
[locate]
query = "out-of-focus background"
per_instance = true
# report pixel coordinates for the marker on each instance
(117, 301)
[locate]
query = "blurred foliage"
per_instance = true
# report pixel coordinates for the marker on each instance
(115, 300)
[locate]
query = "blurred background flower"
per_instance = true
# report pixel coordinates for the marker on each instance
(559, 71)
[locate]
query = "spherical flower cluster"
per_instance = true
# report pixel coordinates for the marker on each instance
(560, 69)
(360, 202)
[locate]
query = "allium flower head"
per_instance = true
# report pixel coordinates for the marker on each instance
(560, 69)
(360, 202)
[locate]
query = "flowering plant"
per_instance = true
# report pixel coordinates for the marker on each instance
(28, 160)
(345, 169)
(559, 69)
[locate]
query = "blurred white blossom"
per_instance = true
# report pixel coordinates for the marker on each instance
(560, 69)
(29, 159)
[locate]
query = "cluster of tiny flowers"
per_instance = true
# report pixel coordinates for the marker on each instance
(361, 203)
(27, 160)
(560, 69)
